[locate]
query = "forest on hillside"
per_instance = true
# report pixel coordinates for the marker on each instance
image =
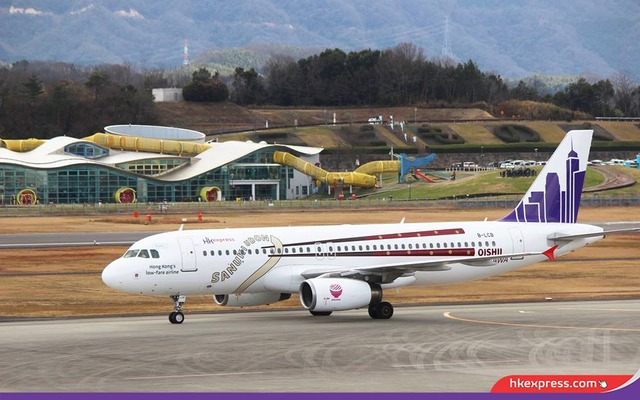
(46, 99)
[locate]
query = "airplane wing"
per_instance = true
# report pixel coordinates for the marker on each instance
(559, 237)
(389, 272)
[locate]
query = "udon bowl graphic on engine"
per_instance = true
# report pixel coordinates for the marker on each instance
(335, 290)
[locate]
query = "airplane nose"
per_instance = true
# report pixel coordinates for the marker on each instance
(111, 276)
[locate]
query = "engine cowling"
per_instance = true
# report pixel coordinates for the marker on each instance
(327, 294)
(249, 299)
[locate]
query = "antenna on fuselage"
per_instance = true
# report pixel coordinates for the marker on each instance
(181, 226)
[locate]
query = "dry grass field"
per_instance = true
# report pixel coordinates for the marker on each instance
(66, 281)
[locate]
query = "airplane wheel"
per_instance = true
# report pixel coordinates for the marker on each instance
(320, 313)
(383, 310)
(176, 317)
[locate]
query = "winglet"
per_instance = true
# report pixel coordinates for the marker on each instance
(550, 253)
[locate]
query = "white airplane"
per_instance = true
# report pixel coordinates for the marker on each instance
(345, 267)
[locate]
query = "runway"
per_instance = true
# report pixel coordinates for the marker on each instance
(70, 239)
(421, 349)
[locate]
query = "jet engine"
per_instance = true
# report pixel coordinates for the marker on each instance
(328, 294)
(249, 299)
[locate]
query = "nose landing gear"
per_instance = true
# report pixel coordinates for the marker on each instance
(177, 317)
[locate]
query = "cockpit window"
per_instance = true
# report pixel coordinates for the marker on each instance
(143, 254)
(131, 253)
(154, 253)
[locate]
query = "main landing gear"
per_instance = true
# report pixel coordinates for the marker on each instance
(383, 310)
(177, 317)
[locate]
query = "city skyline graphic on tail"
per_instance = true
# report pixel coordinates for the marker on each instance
(555, 194)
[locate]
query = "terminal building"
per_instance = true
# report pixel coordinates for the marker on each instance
(148, 164)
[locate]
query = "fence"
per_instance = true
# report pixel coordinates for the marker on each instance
(502, 202)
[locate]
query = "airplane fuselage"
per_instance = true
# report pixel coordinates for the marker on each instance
(252, 260)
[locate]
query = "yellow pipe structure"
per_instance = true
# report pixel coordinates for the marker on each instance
(378, 167)
(356, 178)
(20, 145)
(133, 143)
(351, 178)
(283, 158)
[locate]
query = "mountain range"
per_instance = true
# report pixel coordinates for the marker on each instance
(508, 37)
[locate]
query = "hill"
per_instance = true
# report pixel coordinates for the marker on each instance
(514, 39)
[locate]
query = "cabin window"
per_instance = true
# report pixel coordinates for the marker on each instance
(131, 253)
(204, 253)
(375, 247)
(466, 244)
(431, 245)
(395, 246)
(487, 243)
(493, 244)
(438, 245)
(219, 252)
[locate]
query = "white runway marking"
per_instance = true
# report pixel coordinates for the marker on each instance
(456, 363)
(192, 376)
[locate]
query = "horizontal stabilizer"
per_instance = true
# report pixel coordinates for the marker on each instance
(559, 237)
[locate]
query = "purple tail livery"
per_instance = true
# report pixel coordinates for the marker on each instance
(555, 194)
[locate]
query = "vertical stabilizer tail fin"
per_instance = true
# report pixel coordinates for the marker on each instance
(555, 194)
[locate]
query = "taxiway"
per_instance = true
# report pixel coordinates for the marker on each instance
(421, 349)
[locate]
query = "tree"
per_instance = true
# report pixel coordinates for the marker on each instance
(98, 81)
(524, 92)
(283, 81)
(624, 86)
(33, 88)
(248, 87)
(205, 88)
